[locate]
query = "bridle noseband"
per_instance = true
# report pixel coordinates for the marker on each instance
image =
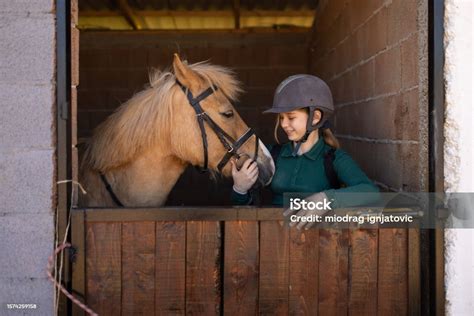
(231, 145)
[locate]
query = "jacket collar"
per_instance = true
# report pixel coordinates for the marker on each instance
(314, 153)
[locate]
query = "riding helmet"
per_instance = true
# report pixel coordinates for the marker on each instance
(303, 91)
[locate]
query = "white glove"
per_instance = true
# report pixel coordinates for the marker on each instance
(245, 177)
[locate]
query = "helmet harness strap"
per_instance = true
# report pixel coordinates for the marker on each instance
(309, 128)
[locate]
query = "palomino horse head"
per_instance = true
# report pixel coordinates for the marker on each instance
(187, 139)
(144, 146)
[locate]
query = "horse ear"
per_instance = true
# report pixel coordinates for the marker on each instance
(185, 75)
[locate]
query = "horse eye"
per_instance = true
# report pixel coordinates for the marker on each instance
(228, 114)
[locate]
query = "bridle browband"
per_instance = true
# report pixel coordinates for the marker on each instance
(231, 145)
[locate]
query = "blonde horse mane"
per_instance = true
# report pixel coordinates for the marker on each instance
(147, 117)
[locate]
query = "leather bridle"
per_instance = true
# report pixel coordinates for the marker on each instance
(231, 145)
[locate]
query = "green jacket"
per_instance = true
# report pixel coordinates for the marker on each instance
(306, 173)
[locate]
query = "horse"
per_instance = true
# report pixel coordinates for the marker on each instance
(135, 157)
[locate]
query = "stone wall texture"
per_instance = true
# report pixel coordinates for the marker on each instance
(373, 54)
(27, 148)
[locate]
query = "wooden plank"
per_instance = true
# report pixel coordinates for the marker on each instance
(78, 266)
(188, 38)
(170, 270)
(103, 267)
(274, 268)
(203, 275)
(304, 262)
(160, 214)
(363, 258)
(182, 214)
(333, 269)
(241, 268)
(138, 268)
(393, 274)
(244, 213)
(270, 214)
(414, 276)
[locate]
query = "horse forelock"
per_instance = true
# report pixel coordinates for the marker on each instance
(222, 77)
(147, 118)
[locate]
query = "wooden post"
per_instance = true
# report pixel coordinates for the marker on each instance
(78, 265)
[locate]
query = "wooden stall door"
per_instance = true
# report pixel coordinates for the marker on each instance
(242, 262)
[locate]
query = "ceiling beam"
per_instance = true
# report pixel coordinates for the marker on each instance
(131, 18)
(236, 9)
(262, 13)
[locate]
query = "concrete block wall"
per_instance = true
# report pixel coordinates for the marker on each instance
(114, 65)
(373, 54)
(27, 147)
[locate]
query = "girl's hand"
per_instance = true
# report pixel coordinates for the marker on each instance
(245, 177)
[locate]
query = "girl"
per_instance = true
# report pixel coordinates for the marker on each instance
(312, 161)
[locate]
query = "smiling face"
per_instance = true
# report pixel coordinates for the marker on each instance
(294, 122)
